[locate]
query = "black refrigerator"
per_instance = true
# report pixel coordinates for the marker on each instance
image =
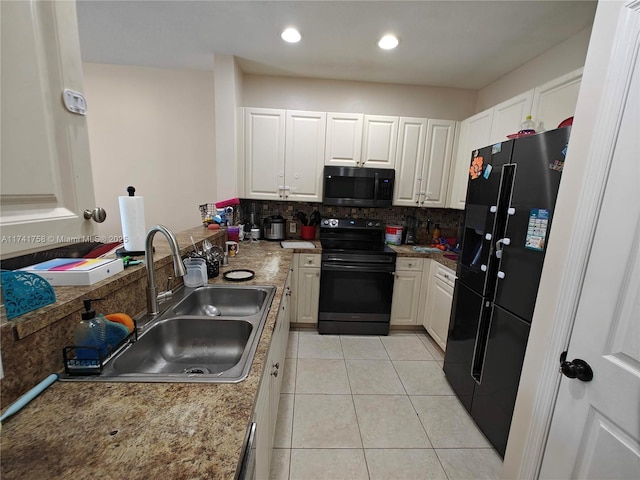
(510, 201)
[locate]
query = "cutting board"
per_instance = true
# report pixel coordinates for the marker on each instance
(296, 244)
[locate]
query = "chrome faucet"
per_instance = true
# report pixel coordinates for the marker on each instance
(178, 267)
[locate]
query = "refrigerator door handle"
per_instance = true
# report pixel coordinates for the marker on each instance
(503, 241)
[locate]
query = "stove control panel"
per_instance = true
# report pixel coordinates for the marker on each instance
(347, 223)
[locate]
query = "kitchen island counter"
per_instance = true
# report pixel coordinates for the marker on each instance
(146, 430)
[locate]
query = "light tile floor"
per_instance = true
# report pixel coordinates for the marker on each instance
(369, 407)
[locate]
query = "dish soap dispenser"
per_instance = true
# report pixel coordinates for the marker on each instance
(90, 332)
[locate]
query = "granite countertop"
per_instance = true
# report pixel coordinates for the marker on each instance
(401, 251)
(151, 430)
(145, 430)
(441, 258)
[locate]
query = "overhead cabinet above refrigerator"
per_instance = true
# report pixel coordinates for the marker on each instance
(511, 196)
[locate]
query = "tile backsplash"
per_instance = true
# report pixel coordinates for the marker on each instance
(450, 221)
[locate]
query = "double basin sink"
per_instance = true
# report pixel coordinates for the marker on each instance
(207, 334)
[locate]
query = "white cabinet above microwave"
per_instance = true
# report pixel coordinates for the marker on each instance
(357, 140)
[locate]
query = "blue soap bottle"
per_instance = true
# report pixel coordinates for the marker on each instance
(90, 332)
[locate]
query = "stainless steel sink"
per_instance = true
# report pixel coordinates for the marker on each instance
(230, 301)
(186, 344)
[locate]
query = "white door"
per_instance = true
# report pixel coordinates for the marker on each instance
(308, 294)
(437, 163)
(304, 155)
(556, 100)
(474, 133)
(595, 431)
(264, 153)
(508, 115)
(344, 139)
(379, 141)
(46, 166)
(409, 161)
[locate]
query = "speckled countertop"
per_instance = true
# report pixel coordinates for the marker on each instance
(408, 251)
(145, 430)
(150, 430)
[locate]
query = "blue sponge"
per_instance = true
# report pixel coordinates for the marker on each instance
(116, 332)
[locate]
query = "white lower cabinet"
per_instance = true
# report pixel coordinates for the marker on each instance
(266, 407)
(406, 291)
(435, 308)
(306, 291)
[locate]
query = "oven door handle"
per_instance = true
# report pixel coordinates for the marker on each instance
(360, 268)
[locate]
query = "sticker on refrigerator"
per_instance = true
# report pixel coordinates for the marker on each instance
(496, 148)
(475, 170)
(558, 165)
(537, 229)
(487, 172)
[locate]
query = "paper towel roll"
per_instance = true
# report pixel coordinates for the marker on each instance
(133, 227)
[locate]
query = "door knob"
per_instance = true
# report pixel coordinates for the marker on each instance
(99, 214)
(576, 369)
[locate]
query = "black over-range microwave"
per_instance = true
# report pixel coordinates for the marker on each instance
(358, 187)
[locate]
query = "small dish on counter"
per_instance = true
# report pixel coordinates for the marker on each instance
(240, 275)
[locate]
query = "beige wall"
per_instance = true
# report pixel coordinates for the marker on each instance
(555, 62)
(358, 97)
(153, 129)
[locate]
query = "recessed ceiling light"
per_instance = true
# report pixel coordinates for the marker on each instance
(291, 35)
(388, 42)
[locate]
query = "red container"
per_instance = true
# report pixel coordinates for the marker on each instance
(308, 232)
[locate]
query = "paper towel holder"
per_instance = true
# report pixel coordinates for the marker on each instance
(98, 214)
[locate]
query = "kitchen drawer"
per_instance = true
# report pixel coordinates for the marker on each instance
(445, 274)
(309, 260)
(409, 263)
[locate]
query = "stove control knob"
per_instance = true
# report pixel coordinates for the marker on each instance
(369, 224)
(377, 224)
(334, 222)
(326, 222)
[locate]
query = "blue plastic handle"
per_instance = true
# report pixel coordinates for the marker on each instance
(16, 406)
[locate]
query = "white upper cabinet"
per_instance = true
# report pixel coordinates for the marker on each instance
(474, 133)
(412, 135)
(423, 159)
(556, 100)
(304, 155)
(379, 141)
(46, 166)
(264, 153)
(343, 145)
(508, 116)
(437, 163)
(284, 152)
(548, 105)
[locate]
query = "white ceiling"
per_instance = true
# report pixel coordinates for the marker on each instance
(464, 44)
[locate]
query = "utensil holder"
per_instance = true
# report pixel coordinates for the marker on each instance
(308, 232)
